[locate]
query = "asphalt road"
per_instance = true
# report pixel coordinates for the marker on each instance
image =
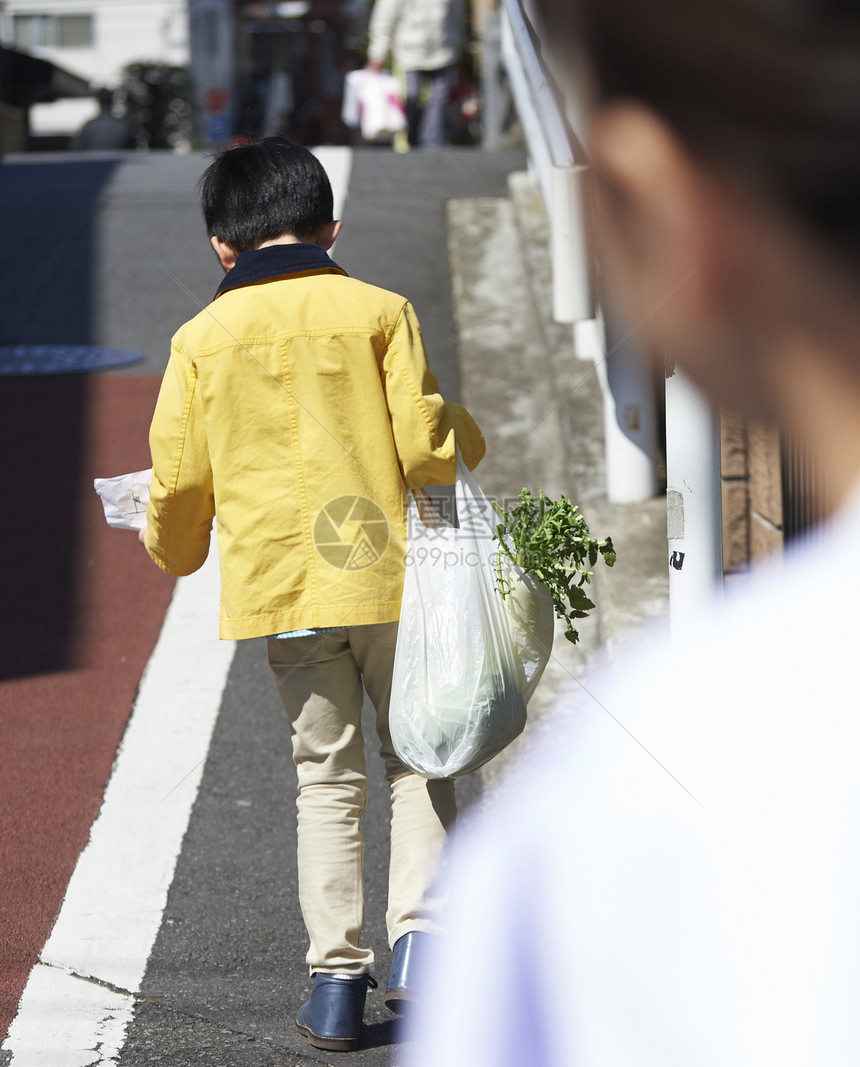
(113, 252)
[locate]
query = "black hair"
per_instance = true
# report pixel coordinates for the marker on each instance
(766, 89)
(258, 192)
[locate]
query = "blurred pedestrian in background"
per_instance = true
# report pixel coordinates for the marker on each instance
(673, 880)
(106, 131)
(426, 39)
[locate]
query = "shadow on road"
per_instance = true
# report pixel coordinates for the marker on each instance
(47, 213)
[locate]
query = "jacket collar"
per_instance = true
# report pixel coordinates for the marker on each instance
(262, 264)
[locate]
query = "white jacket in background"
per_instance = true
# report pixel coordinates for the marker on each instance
(421, 34)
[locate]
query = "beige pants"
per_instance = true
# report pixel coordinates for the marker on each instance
(320, 682)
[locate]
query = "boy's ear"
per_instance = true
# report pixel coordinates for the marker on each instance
(327, 234)
(225, 253)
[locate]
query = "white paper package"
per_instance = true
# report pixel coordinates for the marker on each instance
(124, 499)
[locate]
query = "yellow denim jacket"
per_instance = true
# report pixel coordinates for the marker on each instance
(294, 410)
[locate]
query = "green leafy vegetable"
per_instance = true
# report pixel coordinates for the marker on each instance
(551, 540)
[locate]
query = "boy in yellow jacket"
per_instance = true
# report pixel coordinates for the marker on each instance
(295, 411)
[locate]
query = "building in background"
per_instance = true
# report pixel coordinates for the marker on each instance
(262, 67)
(93, 39)
(24, 82)
(212, 46)
(257, 67)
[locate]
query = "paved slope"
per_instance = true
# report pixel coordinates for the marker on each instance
(227, 972)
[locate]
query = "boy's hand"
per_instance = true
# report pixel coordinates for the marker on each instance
(141, 535)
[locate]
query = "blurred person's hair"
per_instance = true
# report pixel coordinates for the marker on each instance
(261, 191)
(767, 90)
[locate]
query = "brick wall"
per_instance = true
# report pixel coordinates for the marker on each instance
(751, 493)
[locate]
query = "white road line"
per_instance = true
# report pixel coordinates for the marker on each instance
(80, 997)
(338, 165)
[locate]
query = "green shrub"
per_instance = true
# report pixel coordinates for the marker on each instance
(158, 103)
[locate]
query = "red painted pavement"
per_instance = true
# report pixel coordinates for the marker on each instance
(81, 608)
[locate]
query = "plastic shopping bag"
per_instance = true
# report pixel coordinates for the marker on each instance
(466, 661)
(371, 100)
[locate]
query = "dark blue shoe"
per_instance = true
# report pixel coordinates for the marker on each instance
(408, 951)
(331, 1017)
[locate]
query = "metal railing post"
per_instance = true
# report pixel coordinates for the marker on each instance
(693, 498)
(492, 83)
(629, 422)
(572, 298)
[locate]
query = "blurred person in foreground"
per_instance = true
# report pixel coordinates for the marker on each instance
(676, 880)
(425, 38)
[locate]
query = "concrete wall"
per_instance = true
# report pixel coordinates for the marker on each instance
(124, 31)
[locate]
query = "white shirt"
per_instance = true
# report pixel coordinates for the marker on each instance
(423, 34)
(675, 878)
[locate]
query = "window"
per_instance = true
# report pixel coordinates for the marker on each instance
(29, 30)
(53, 31)
(74, 31)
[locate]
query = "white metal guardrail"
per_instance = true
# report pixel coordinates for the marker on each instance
(560, 174)
(693, 468)
(561, 169)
